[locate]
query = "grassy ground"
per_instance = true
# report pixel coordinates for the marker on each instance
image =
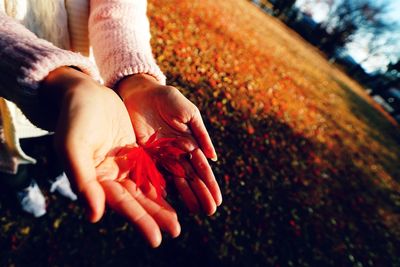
(308, 164)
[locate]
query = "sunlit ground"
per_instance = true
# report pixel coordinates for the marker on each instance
(308, 165)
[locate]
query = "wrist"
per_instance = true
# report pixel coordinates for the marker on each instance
(58, 85)
(134, 82)
(60, 81)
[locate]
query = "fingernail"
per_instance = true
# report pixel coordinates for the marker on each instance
(214, 158)
(156, 242)
(212, 212)
(177, 231)
(219, 201)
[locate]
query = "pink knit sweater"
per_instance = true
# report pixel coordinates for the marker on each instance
(118, 32)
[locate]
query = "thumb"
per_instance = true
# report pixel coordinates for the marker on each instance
(80, 167)
(201, 135)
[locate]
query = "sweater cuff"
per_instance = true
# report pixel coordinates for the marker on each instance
(129, 64)
(47, 60)
(30, 62)
(35, 61)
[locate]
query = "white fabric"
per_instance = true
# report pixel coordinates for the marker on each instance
(24, 128)
(78, 16)
(46, 18)
(63, 187)
(11, 142)
(35, 15)
(32, 200)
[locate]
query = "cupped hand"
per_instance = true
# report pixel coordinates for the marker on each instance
(153, 107)
(93, 125)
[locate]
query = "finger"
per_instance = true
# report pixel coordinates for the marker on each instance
(187, 194)
(165, 218)
(199, 130)
(122, 202)
(203, 169)
(186, 143)
(153, 195)
(200, 189)
(80, 167)
(208, 201)
(204, 196)
(108, 169)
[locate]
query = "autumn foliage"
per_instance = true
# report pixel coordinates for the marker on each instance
(308, 164)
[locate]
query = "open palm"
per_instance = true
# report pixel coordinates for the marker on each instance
(153, 107)
(93, 125)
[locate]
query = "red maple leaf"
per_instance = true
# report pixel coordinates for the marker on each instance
(145, 162)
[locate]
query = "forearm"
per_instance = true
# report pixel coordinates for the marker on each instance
(120, 36)
(26, 60)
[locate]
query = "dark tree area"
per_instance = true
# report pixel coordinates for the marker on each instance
(393, 75)
(278, 8)
(282, 7)
(394, 66)
(347, 20)
(388, 79)
(349, 26)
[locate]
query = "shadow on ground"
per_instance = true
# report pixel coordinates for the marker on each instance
(288, 201)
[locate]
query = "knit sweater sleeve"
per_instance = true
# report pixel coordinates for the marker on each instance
(119, 33)
(26, 60)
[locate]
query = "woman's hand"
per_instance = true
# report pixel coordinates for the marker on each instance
(93, 124)
(153, 107)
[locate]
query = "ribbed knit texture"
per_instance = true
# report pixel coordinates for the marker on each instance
(78, 16)
(119, 33)
(26, 60)
(47, 19)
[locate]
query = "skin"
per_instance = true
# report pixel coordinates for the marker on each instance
(92, 123)
(153, 107)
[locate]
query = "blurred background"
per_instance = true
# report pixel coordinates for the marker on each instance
(301, 100)
(361, 36)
